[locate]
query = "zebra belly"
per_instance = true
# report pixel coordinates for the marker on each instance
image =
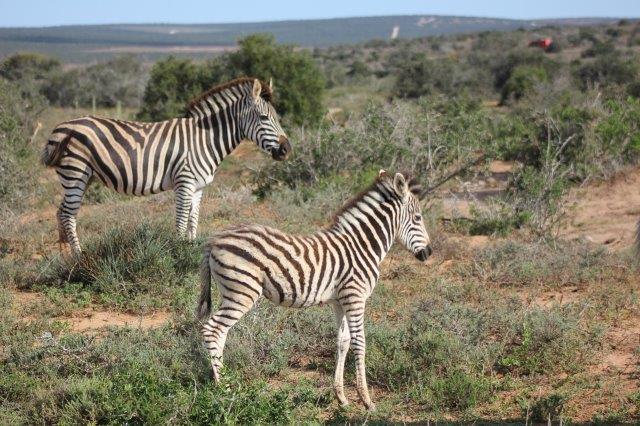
(280, 293)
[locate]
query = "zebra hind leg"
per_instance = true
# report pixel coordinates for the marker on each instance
(214, 332)
(74, 184)
(355, 318)
(194, 213)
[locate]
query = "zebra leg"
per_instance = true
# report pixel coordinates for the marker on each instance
(184, 195)
(75, 184)
(214, 332)
(194, 213)
(354, 312)
(343, 347)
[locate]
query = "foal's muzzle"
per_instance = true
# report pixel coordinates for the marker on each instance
(424, 254)
(283, 149)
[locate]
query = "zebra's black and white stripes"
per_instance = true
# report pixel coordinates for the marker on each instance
(146, 158)
(339, 265)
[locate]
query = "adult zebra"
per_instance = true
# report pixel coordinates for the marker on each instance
(146, 158)
(339, 266)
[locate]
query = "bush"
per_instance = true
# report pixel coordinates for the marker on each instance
(507, 65)
(606, 70)
(17, 154)
(119, 80)
(299, 83)
(425, 139)
(131, 268)
(171, 84)
(521, 81)
(30, 71)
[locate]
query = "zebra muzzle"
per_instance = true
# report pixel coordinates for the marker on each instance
(424, 254)
(283, 149)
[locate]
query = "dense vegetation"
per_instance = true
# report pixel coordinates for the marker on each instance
(471, 337)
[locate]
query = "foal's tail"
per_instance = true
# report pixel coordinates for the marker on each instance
(204, 306)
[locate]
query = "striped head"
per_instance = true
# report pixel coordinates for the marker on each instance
(411, 230)
(260, 123)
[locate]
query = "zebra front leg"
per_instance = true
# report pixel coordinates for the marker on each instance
(343, 347)
(184, 195)
(354, 311)
(194, 213)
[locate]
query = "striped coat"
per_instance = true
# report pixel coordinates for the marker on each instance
(339, 266)
(181, 154)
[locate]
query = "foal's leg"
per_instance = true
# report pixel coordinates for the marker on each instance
(192, 227)
(214, 332)
(343, 347)
(353, 307)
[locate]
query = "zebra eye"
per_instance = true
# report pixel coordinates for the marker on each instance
(264, 117)
(417, 218)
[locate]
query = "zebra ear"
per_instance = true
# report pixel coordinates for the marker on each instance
(257, 89)
(382, 172)
(400, 184)
(271, 84)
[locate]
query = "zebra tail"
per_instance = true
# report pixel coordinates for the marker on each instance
(204, 306)
(53, 151)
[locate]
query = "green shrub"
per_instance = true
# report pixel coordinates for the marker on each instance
(18, 155)
(132, 267)
(105, 84)
(298, 82)
(606, 70)
(171, 84)
(420, 76)
(425, 139)
(532, 61)
(521, 81)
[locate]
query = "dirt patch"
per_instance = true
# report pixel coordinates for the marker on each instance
(605, 212)
(89, 320)
(562, 296)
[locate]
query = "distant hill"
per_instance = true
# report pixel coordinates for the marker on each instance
(82, 43)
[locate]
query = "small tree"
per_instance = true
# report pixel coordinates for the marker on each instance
(171, 84)
(300, 85)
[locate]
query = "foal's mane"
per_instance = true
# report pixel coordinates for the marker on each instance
(266, 93)
(383, 178)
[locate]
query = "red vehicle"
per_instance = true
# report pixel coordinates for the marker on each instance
(542, 43)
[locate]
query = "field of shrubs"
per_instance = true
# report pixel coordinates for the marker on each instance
(508, 322)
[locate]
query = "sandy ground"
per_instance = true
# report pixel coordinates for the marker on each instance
(605, 212)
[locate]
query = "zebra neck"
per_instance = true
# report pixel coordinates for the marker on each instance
(220, 125)
(373, 228)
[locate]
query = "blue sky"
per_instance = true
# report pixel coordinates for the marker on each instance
(61, 12)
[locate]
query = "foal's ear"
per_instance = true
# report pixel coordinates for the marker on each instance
(400, 184)
(257, 89)
(271, 84)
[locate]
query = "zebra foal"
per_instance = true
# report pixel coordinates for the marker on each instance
(339, 265)
(182, 154)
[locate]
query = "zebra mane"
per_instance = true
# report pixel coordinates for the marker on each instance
(266, 93)
(384, 180)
